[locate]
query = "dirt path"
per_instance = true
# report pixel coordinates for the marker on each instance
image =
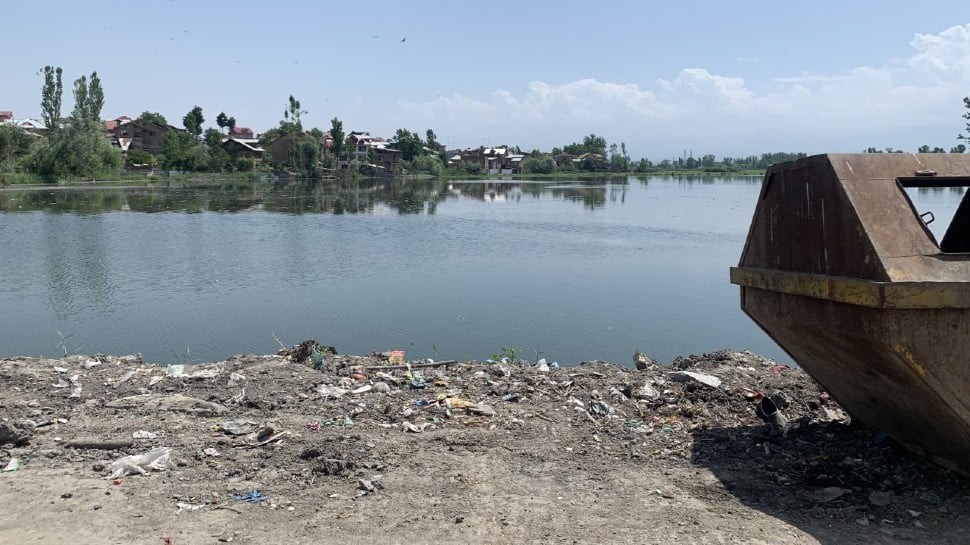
(591, 454)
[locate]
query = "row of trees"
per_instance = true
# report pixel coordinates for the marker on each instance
(76, 147)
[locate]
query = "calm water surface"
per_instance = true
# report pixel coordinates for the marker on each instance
(459, 270)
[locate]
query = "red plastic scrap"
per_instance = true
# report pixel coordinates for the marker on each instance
(777, 369)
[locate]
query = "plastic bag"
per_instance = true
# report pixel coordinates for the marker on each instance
(157, 459)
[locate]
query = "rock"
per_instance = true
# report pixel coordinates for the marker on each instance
(481, 409)
(16, 432)
(642, 361)
(690, 376)
(382, 388)
(174, 402)
(880, 498)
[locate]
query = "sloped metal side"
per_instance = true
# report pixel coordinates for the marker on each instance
(889, 368)
(805, 222)
(841, 272)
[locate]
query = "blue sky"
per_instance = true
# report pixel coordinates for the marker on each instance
(727, 78)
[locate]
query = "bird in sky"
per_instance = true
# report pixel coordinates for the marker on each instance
(403, 39)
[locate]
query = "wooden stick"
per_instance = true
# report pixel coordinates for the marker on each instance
(94, 444)
(413, 366)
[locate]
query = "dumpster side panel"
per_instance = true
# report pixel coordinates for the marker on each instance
(870, 166)
(889, 221)
(805, 222)
(888, 367)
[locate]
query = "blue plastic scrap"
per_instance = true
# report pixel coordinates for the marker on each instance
(253, 497)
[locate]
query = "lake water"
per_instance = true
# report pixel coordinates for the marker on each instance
(444, 270)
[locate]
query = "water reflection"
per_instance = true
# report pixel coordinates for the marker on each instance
(441, 268)
(330, 196)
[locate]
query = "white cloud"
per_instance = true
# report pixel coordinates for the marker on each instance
(700, 108)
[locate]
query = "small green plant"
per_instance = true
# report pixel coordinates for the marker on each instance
(184, 358)
(512, 354)
(62, 345)
(538, 353)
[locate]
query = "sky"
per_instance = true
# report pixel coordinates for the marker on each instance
(666, 79)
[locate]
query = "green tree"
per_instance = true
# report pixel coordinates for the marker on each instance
(80, 112)
(292, 114)
(231, 124)
(338, 136)
(95, 97)
(432, 140)
(154, 117)
(538, 165)
(50, 103)
(14, 146)
(79, 150)
(218, 156)
(88, 99)
(193, 121)
(181, 151)
(409, 143)
(222, 120)
(966, 115)
(960, 148)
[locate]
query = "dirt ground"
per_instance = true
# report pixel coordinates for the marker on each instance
(359, 451)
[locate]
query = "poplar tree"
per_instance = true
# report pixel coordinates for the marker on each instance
(50, 103)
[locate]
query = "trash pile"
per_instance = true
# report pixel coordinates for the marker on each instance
(264, 431)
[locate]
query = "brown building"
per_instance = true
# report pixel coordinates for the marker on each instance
(143, 134)
(237, 149)
(241, 133)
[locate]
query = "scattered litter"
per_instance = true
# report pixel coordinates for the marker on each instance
(328, 390)
(157, 459)
(415, 428)
(542, 366)
(363, 389)
(183, 507)
(12, 465)
(62, 383)
(827, 494)
(253, 496)
(123, 378)
(599, 408)
(60, 369)
(238, 427)
(210, 452)
(91, 363)
(690, 376)
(265, 436)
(75, 386)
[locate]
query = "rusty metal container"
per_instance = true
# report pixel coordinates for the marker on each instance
(841, 271)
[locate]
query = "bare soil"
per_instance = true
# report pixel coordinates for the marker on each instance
(462, 453)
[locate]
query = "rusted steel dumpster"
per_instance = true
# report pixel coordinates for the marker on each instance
(842, 272)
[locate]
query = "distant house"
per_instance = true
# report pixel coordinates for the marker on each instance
(492, 160)
(362, 142)
(385, 157)
(5, 115)
(30, 125)
(143, 134)
(241, 133)
(111, 124)
(239, 148)
(282, 148)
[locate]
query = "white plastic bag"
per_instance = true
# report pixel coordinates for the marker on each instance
(157, 459)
